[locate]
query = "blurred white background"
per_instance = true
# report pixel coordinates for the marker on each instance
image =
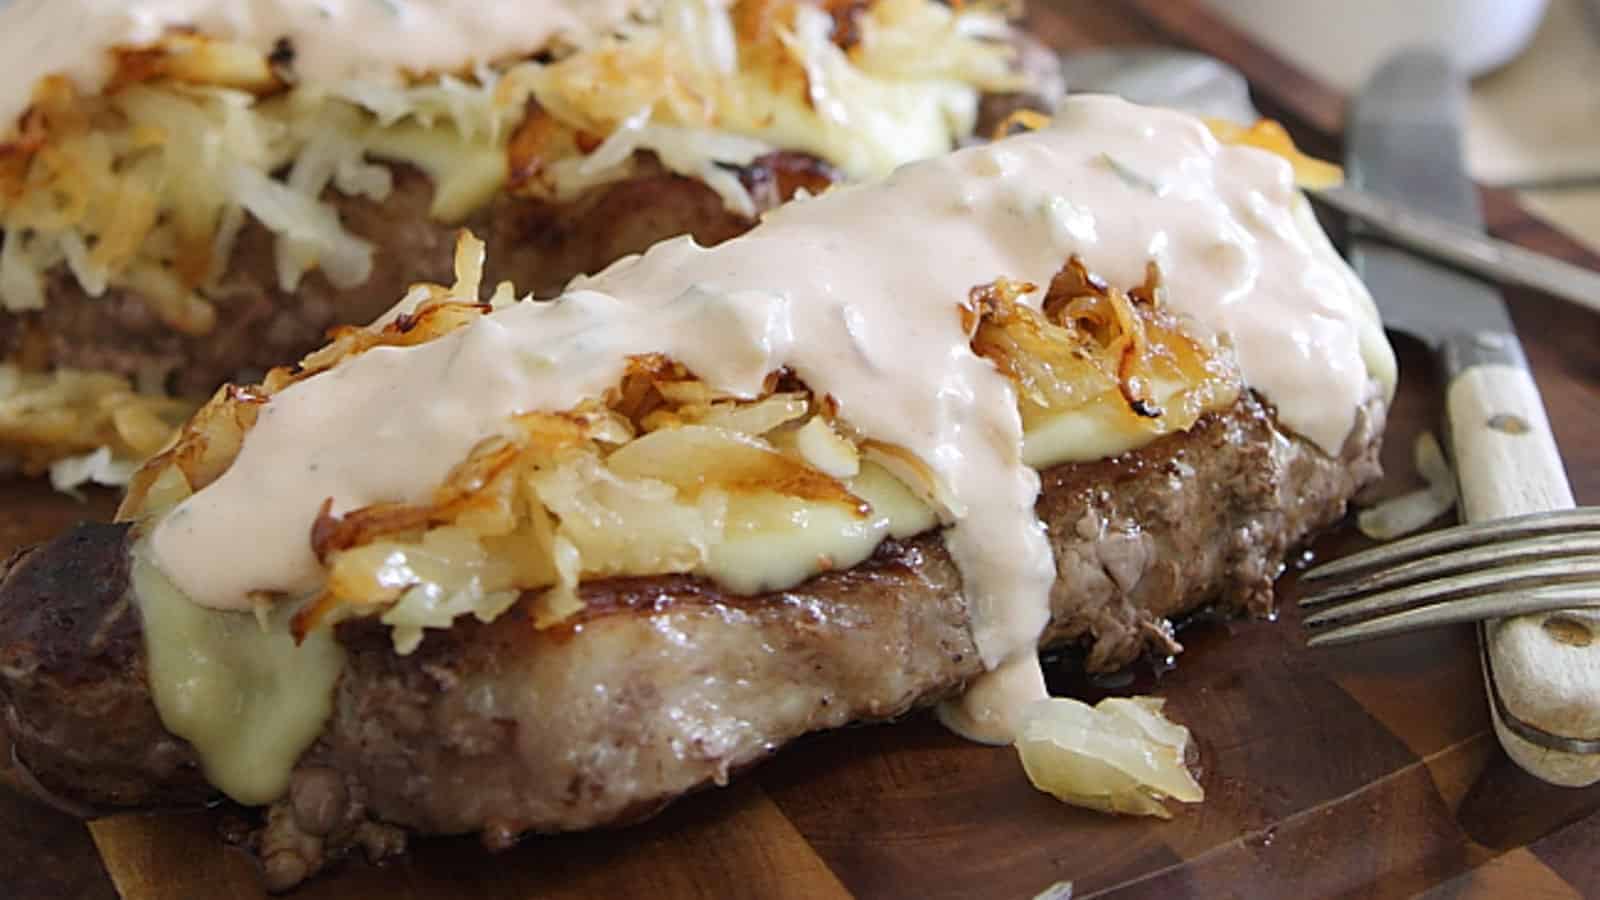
(1535, 102)
(1342, 42)
(1536, 122)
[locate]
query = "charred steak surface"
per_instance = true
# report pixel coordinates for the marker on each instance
(663, 685)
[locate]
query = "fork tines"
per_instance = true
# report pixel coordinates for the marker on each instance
(1507, 567)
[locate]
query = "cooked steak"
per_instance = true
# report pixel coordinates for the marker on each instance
(79, 626)
(662, 685)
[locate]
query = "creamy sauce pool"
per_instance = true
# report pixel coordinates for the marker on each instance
(334, 40)
(858, 292)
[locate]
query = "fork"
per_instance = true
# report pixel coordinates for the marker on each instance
(1501, 568)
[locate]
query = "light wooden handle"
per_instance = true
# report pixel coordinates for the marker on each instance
(1545, 669)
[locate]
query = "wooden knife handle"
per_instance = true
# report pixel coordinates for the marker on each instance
(1543, 671)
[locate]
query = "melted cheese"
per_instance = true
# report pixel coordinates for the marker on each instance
(858, 292)
(773, 542)
(864, 111)
(333, 40)
(237, 688)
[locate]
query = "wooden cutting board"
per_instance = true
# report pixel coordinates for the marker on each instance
(1367, 771)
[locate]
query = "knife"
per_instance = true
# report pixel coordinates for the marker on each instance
(1404, 143)
(1465, 248)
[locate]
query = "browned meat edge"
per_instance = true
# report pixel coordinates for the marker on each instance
(538, 246)
(665, 684)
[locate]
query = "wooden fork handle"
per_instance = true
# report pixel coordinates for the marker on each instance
(1542, 671)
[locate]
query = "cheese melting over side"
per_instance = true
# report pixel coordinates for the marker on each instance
(239, 689)
(333, 40)
(859, 293)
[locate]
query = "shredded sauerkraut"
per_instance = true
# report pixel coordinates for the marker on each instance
(82, 427)
(147, 185)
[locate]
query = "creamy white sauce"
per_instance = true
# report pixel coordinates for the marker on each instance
(858, 292)
(334, 40)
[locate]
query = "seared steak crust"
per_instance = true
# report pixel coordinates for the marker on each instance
(663, 685)
(79, 708)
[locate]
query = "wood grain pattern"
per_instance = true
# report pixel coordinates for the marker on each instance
(1367, 771)
(734, 842)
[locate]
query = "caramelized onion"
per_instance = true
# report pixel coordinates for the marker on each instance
(1091, 346)
(1122, 756)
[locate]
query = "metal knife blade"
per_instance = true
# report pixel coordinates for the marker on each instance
(1463, 248)
(1405, 143)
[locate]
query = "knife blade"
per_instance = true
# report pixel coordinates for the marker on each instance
(1405, 142)
(1463, 248)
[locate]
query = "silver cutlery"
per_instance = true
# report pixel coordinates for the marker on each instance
(1542, 670)
(1505, 567)
(1470, 251)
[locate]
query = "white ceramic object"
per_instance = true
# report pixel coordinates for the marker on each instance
(1344, 42)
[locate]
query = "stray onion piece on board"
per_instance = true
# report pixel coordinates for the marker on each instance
(1121, 756)
(1409, 513)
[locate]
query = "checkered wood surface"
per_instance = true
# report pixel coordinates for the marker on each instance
(1366, 772)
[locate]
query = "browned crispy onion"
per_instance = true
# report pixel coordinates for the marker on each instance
(45, 415)
(1090, 344)
(631, 484)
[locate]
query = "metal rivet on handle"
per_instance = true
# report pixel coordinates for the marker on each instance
(1569, 631)
(1505, 423)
